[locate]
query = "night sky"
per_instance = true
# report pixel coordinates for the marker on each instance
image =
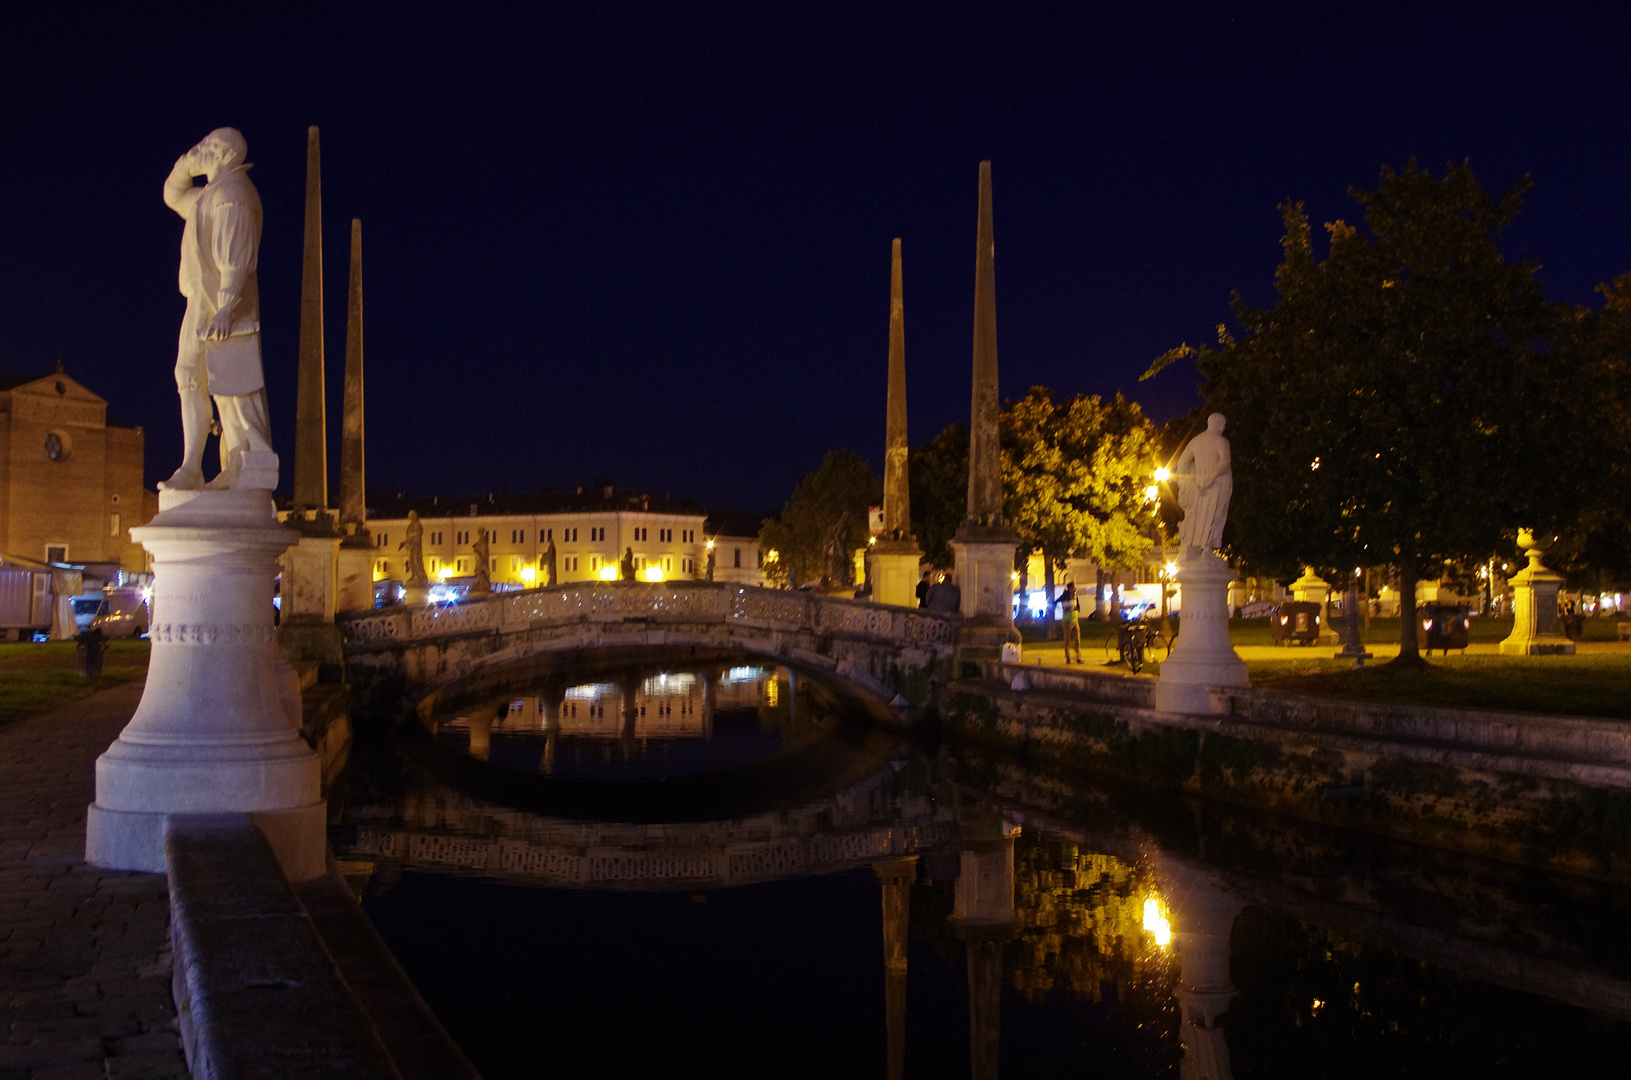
(652, 242)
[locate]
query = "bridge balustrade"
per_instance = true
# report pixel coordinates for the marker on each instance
(776, 609)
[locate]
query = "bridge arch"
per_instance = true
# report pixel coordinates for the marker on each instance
(888, 651)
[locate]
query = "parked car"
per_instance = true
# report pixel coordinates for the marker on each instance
(122, 613)
(85, 609)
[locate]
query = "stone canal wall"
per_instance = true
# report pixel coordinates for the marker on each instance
(1544, 790)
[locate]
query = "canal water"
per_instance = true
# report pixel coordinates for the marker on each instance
(733, 870)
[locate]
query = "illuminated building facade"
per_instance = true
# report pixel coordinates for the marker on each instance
(590, 531)
(70, 482)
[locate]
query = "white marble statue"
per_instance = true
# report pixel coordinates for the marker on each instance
(1204, 483)
(219, 354)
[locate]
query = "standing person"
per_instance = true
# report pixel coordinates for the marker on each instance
(1072, 608)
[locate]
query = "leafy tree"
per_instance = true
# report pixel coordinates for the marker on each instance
(1074, 473)
(937, 473)
(828, 506)
(1397, 403)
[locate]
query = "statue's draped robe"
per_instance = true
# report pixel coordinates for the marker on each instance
(1205, 485)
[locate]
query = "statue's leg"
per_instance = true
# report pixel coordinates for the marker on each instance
(244, 426)
(192, 383)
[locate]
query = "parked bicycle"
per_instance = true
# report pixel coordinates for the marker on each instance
(1131, 644)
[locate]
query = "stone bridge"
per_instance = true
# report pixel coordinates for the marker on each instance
(888, 651)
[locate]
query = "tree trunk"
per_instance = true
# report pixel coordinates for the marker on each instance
(1098, 593)
(1409, 654)
(1022, 563)
(1047, 595)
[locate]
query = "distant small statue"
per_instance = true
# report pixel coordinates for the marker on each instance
(1205, 482)
(414, 542)
(837, 571)
(484, 568)
(220, 350)
(709, 576)
(625, 568)
(549, 563)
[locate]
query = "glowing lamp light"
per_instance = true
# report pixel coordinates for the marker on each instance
(654, 572)
(1156, 923)
(444, 573)
(529, 574)
(772, 555)
(871, 540)
(1163, 474)
(608, 572)
(710, 545)
(1172, 568)
(1152, 493)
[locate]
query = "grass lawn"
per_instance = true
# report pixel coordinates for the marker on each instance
(34, 678)
(1580, 685)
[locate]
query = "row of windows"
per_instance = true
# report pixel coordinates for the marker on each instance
(569, 563)
(519, 536)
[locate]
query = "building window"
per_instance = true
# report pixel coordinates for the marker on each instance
(436, 538)
(515, 564)
(380, 567)
(461, 536)
(688, 566)
(739, 559)
(668, 564)
(435, 565)
(594, 564)
(380, 539)
(113, 525)
(460, 565)
(544, 535)
(56, 553)
(571, 562)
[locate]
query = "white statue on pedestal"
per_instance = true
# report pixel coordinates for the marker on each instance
(1203, 656)
(1205, 483)
(219, 353)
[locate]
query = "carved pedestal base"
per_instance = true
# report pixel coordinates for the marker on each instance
(1203, 657)
(985, 577)
(216, 731)
(355, 577)
(1535, 630)
(894, 572)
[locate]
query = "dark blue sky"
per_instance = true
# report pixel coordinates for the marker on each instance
(655, 246)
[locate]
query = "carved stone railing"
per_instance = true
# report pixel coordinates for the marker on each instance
(638, 602)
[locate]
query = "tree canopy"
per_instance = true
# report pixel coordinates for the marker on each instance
(824, 520)
(1398, 402)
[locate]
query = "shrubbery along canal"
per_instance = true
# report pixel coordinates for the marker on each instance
(733, 869)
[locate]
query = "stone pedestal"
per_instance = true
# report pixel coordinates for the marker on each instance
(1535, 630)
(355, 575)
(214, 732)
(895, 572)
(1313, 589)
(1203, 656)
(984, 570)
(311, 578)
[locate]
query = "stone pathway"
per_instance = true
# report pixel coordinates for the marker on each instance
(84, 953)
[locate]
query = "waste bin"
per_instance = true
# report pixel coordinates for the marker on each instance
(1442, 626)
(91, 645)
(1295, 621)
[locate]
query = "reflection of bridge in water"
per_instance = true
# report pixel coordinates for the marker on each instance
(911, 822)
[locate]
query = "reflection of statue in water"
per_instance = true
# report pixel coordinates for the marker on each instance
(484, 568)
(414, 542)
(625, 568)
(837, 570)
(549, 562)
(1204, 483)
(219, 352)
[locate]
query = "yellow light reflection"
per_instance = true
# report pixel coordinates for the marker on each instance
(1156, 923)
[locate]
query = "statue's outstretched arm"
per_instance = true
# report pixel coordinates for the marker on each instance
(179, 192)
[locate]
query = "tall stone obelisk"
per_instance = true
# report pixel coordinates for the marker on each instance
(311, 417)
(896, 556)
(356, 546)
(308, 595)
(984, 544)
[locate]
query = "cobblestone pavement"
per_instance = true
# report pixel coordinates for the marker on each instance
(84, 953)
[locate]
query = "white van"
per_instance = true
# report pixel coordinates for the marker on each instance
(123, 613)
